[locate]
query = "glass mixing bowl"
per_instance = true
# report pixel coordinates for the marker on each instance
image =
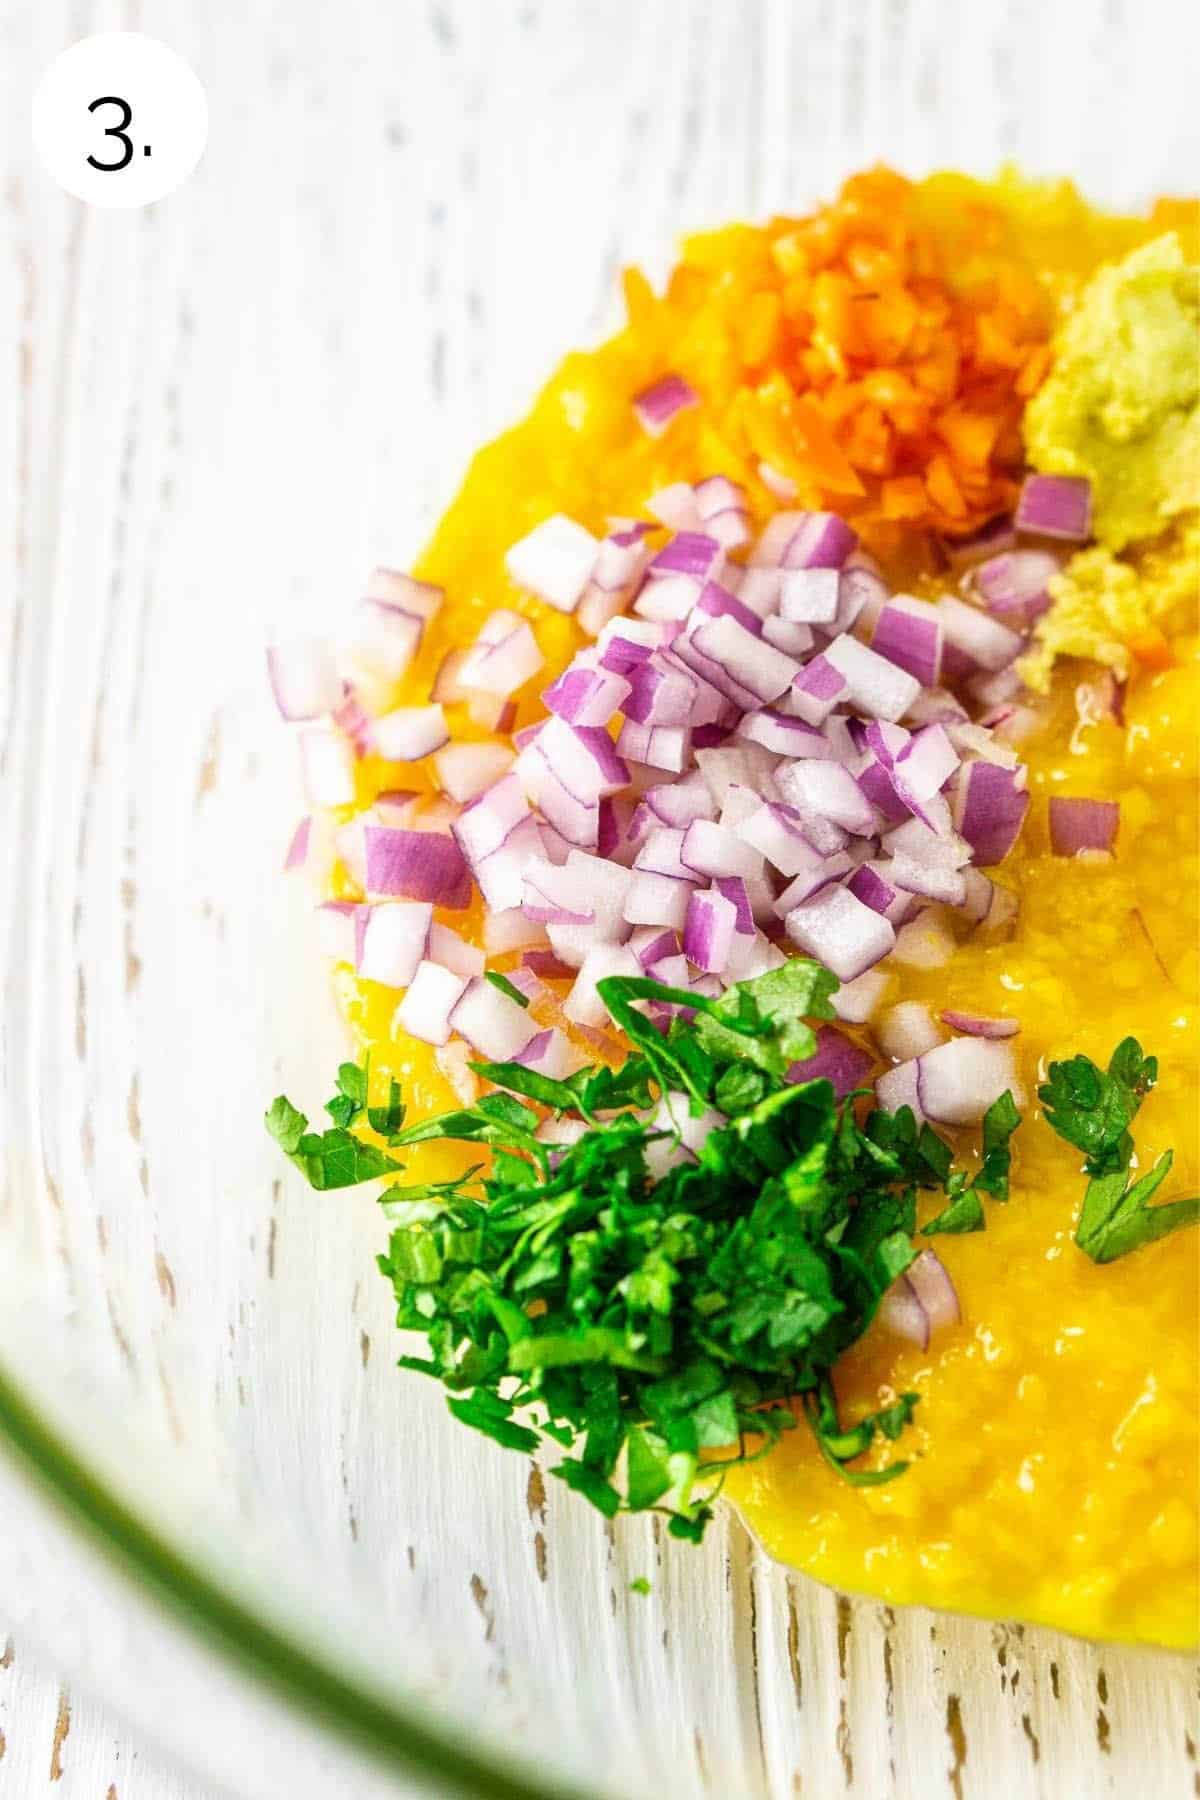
(223, 1509)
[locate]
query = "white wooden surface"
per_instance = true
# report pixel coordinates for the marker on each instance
(226, 409)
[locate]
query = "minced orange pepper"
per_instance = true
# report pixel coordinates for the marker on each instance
(849, 352)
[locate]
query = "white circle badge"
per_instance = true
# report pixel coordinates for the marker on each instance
(119, 119)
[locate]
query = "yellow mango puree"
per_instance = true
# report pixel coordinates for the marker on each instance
(1054, 1451)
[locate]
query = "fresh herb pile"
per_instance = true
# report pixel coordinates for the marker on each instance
(655, 1313)
(1093, 1109)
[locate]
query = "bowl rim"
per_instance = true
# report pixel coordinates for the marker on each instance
(394, 1735)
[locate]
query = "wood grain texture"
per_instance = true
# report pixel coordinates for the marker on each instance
(215, 416)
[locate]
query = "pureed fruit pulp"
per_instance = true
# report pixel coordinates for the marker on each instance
(1054, 1452)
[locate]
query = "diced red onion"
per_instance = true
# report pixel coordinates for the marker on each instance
(980, 1024)
(921, 1302)
(712, 850)
(678, 804)
(554, 561)
(990, 804)
(1082, 825)
(492, 1023)
(757, 589)
(353, 720)
(828, 791)
(733, 888)
(607, 885)
(723, 508)
(620, 564)
(614, 831)
(661, 746)
(820, 873)
(922, 767)
(836, 1060)
(907, 1031)
(840, 932)
(708, 931)
(874, 884)
(937, 707)
(908, 633)
(328, 766)
(657, 900)
(875, 685)
(996, 536)
(571, 943)
(777, 832)
(391, 620)
(716, 602)
(467, 770)
(432, 996)
(931, 881)
(583, 1005)
(392, 588)
(546, 966)
(1058, 506)
(786, 736)
(550, 1053)
(668, 601)
(876, 781)
(901, 1313)
(856, 1001)
(659, 403)
(753, 956)
(390, 941)
(691, 553)
(1016, 585)
(935, 1291)
(755, 665)
(491, 713)
(582, 758)
(510, 929)
(980, 641)
(816, 690)
(385, 641)
(557, 847)
(651, 945)
(415, 865)
(923, 943)
(862, 595)
(659, 693)
(409, 733)
(958, 1081)
(584, 696)
(447, 688)
(503, 657)
(738, 765)
(673, 971)
(899, 1087)
(661, 854)
(337, 929)
(304, 678)
(675, 507)
(718, 687)
(810, 596)
(793, 639)
(484, 825)
(805, 540)
(941, 849)
(626, 642)
(555, 896)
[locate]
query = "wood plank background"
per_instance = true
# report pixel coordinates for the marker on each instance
(216, 415)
